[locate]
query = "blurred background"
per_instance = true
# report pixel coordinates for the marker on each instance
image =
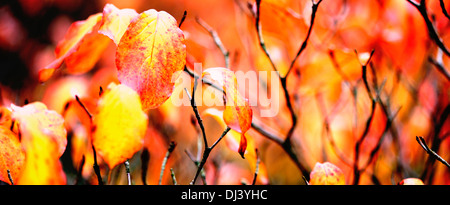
(326, 87)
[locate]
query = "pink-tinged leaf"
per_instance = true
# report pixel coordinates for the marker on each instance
(326, 174)
(149, 55)
(115, 22)
(46, 122)
(411, 181)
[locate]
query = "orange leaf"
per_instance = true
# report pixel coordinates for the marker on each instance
(115, 22)
(48, 122)
(80, 48)
(326, 174)
(42, 165)
(119, 124)
(411, 181)
(149, 55)
(5, 117)
(238, 113)
(11, 155)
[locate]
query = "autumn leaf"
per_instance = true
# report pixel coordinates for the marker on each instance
(238, 113)
(115, 22)
(411, 181)
(119, 124)
(80, 49)
(5, 117)
(11, 155)
(42, 165)
(326, 174)
(47, 122)
(149, 55)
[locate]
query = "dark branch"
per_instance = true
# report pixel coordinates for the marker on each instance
(206, 153)
(258, 160)
(431, 30)
(217, 41)
(94, 152)
(430, 152)
(315, 6)
(440, 67)
(444, 11)
(182, 18)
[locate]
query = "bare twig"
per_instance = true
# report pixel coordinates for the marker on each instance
(182, 18)
(258, 160)
(174, 179)
(80, 170)
(430, 27)
(216, 39)
(315, 6)
(172, 146)
(260, 36)
(94, 152)
(196, 162)
(440, 67)
(145, 157)
(430, 152)
(444, 11)
(10, 177)
(127, 170)
(206, 153)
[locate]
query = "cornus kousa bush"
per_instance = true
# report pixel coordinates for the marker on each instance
(227, 92)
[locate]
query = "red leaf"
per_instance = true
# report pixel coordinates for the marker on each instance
(149, 55)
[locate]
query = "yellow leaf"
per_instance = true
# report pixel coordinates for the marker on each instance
(42, 165)
(119, 124)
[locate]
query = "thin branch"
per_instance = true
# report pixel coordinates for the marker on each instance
(127, 169)
(196, 112)
(145, 158)
(172, 146)
(440, 67)
(174, 179)
(258, 160)
(260, 36)
(430, 152)
(196, 162)
(356, 170)
(80, 170)
(182, 18)
(430, 27)
(206, 153)
(217, 41)
(444, 11)
(315, 6)
(10, 177)
(94, 152)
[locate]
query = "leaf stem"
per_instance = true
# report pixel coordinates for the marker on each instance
(94, 152)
